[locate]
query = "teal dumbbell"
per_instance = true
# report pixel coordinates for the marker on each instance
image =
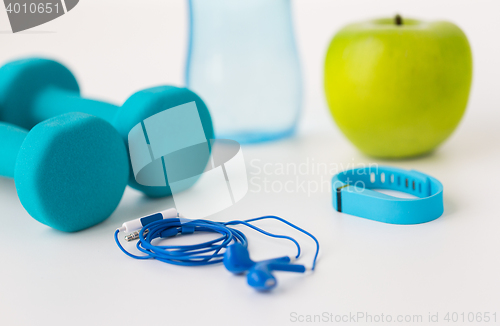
(32, 90)
(70, 171)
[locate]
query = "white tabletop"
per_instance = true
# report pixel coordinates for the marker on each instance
(445, 266)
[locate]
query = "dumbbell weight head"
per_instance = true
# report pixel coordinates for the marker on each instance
(21, 81)
(71, 170)
(146, 103)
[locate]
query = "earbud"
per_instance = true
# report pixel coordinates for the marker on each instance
(260, 277)
(237, 259)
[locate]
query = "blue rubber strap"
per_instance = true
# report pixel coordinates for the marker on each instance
(352, 195)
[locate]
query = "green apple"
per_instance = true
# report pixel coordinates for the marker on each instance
(398, 87)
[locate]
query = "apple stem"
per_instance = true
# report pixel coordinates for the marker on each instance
(398, 20)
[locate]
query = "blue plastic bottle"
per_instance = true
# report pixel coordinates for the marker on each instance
(243, 62)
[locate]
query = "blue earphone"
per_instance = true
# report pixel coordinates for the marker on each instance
(230, 248)
(237, 261)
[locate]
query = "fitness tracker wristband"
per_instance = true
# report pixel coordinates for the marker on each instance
(352, 195)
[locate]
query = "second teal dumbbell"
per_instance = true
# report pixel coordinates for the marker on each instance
(32, 90)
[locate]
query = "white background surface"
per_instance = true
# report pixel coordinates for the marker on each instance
(449, 265)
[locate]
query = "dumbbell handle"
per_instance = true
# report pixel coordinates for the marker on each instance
(53, 101)
(12, 137)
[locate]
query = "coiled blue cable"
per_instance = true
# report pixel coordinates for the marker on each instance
(205, 253)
